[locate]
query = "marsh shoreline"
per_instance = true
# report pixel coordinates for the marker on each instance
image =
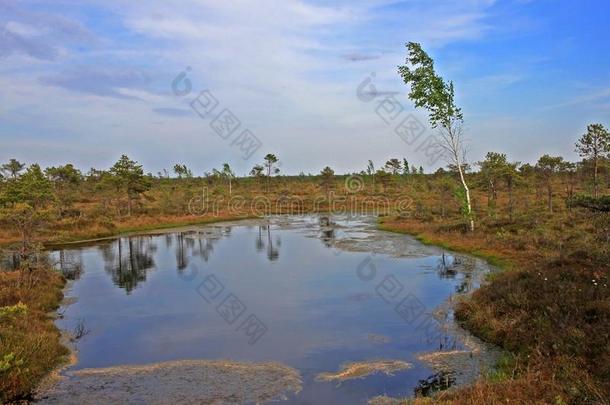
(478, 356)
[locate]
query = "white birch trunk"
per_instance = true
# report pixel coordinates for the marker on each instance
(452, 142)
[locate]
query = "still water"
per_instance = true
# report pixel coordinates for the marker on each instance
(296, 290)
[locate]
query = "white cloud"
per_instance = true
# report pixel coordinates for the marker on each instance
(591, 97)
(276, 64)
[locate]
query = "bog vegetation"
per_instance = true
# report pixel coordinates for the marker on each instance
(551, 308)
(547, 223)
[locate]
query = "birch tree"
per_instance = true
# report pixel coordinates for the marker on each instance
(228, 173)
(430, 91)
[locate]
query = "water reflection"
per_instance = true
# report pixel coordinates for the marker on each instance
(327, 231)
(259, 242)
(328, 237)
(204, 246)
(457, 267)
(198, 243)
(447, 266)
(434, 383)
(9, 260)
(127, 260)
(311, 325)
(181, 258)
(264, 233)
(466, 285)
(70, 264)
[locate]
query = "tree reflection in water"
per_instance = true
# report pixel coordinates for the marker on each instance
(181, 253)
(127, 260)
(196, 243)
(9, 260)
(328, 234)
(260, 243)
(328, 237)
(450, 267)
(273, 252)
(70, 264)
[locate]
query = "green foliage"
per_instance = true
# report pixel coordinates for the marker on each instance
(393, 166)
(595, 146)
(32, 188)
(595, 143)
(66, 174)
(66, 180)
(460, 195)
(493, 167)
(548, 165)
(429, 90)
(8, 362)
(270, 161)
(600, 204)
(384, 178)
(227, 171)
(12, 168)
(30, 344)
(182, 171)
(25, 203)
(128, 177)
(327, 174)
(257, 171)
(504, 368)
(13, 310)
(370, 168)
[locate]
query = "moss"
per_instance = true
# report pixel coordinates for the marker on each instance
(445, 243)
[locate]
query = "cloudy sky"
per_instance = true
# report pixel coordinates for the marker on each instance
(87, 81)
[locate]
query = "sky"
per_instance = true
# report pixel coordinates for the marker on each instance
(313, 81)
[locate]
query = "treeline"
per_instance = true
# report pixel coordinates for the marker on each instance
(31, 197)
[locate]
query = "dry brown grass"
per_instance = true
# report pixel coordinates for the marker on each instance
(545, 308)
(551, 307)
(365, 368)
(29, 340)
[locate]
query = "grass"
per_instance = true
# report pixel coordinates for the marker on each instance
(29, 340)
(363, 369)
(139, 225)
(550, 308)
(457, 243)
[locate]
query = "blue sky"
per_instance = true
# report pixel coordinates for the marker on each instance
(86, 81)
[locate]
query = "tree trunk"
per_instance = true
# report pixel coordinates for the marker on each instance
(268, 178)
(595, 164)
(510, 200)
(467, 190)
